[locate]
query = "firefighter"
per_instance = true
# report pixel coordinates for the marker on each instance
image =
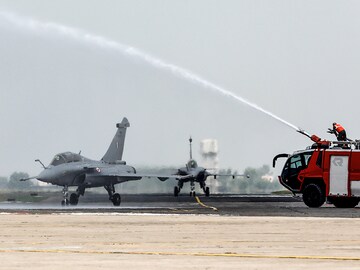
(339, 132)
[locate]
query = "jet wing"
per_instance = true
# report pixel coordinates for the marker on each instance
(164, 177)
(228, 175)
(135, 176)
(161, 177)
(183, 177)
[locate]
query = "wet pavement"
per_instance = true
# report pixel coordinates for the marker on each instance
(226, 205)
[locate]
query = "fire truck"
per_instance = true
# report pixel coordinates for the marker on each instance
(326, 171)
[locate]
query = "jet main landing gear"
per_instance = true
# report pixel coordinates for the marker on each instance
(192, 189)
(176, 191)
(178, 188)
(205, 188)
(114, 197)
(207, 191)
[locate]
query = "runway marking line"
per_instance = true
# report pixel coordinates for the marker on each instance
(204, 205)
(198, 254)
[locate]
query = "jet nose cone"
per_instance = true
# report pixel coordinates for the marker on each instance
(45, 175)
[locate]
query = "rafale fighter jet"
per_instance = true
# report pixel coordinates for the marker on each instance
(192, 173)
(70, 169)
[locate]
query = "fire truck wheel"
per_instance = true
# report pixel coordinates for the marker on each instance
(313, 195)
(345, 202)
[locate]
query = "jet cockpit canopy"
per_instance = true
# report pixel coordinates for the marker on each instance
(66, 157)
(192, 164)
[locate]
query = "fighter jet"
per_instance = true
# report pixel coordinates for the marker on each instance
(193, 173)
(73, 170)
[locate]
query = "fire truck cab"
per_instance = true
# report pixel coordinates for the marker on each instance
(323, 173)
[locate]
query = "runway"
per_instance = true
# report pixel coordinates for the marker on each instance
(224, 205)
(164, 232)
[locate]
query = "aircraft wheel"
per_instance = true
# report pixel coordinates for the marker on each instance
(64, 202)
(313, 195)
(207, 191)
(74, 199)
(345, 202)
(116, 199)
(176, 191)
(192, 194)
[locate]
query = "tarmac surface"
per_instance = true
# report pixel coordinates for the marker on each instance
(163, 232)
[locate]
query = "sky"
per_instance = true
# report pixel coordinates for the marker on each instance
(296, 59)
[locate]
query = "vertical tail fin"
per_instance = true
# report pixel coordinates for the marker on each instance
(116, 148)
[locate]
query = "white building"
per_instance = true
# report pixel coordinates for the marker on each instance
(209, 152)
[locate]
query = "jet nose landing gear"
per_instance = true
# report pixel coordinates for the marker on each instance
(192, 192)
(74, 197)
(65, 193)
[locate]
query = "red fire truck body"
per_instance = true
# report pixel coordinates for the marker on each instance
(323, 173)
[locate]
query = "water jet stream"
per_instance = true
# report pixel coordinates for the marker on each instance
(102, 42)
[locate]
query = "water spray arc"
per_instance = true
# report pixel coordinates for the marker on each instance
(99, 41)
